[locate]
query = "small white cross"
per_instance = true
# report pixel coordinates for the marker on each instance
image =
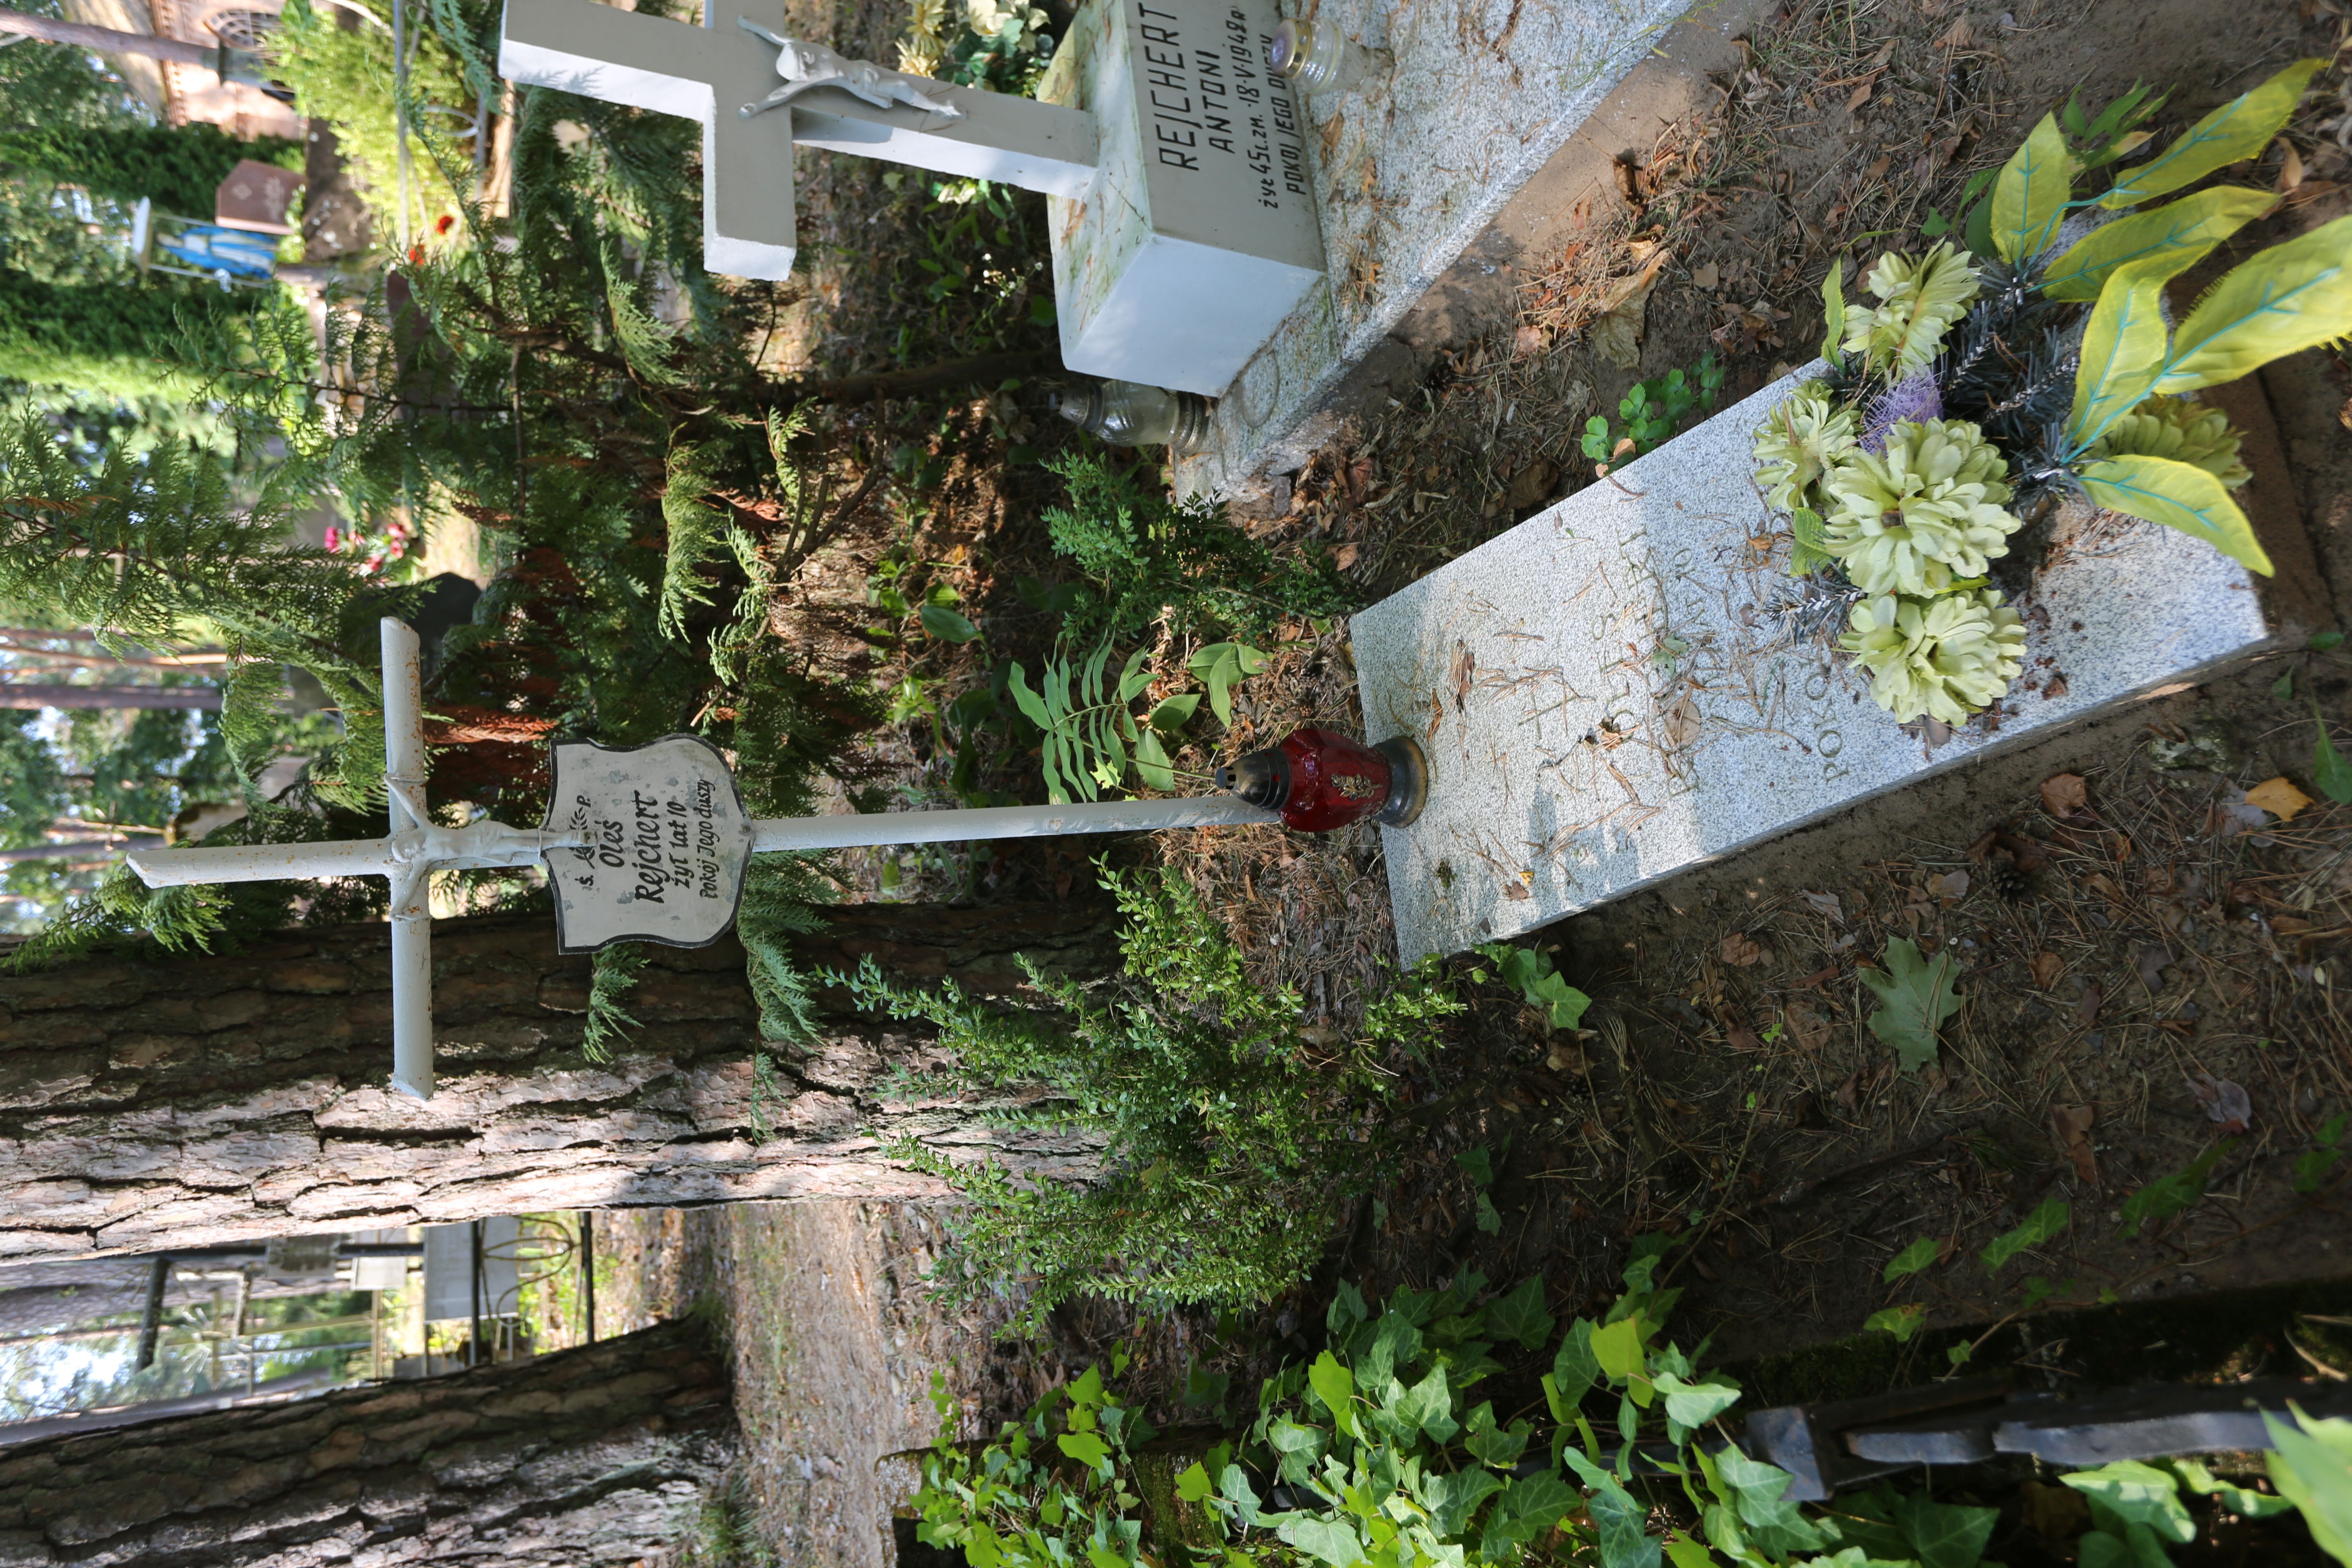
(715, 72)
(416, 846)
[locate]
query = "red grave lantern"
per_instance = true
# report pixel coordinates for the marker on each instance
(1320, 779)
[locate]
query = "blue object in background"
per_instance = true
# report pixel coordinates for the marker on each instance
(233, 251)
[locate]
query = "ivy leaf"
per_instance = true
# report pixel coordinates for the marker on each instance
(2277, 302)
(2238, 130)
(1428, 1406)
(1521, 1316)
(2173, 1195)
(1574, 1367)
(2030, 197)
(2179, 495)
(1617, 1348)
(1477, 1164)
(1087, 1447)
(1757, 1491)
(1901, 1322)
(1944, 1534)
(1490, 1219)
(1335, 1387)
(2039, 1226)
(1193, 1483)
(1912, 1259)
(1325, 1540)
(1914, 998)
(2131, 1492)
(1498, 1445)
(1526, 1512)
(1453, 1498)
(2329, 769)
(1622, 1522)
(2312, 1467)
(1693, 1405)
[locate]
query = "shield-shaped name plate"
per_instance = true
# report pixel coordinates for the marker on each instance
(663, 841)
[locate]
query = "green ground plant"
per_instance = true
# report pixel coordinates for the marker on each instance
(1383, 1452)
(1654, 411)
(1229, 1144)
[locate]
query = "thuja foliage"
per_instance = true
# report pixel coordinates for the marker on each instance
(177, 167)
(1147, 560)
(1228, 1143)
(1384, 1451)
(123, 340)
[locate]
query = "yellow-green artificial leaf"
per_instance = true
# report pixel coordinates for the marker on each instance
(2030, 197)
(2185, 232)
(2312, 1467)
(1832, 310)
(2178, 495)
(2239, 129)
(1914, 998)
(2279, 301)
(2122, 351)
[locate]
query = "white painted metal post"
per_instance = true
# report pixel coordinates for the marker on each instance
(412, 908)
(844, 832)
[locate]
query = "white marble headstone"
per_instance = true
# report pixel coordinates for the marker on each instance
(1606, 697)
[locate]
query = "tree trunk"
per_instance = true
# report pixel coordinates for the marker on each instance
(107, 41)
(26, 695)
(585, 1455)
(147, 1104)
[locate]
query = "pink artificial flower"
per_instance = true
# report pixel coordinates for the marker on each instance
(334, 539)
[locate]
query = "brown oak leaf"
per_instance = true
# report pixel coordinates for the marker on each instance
(1740, 951)
(2064, 795)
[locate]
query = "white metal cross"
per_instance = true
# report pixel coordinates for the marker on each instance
(416, 846)
(725, 71)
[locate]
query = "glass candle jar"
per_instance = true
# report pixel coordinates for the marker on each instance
(1321, 59)
(1130, 414)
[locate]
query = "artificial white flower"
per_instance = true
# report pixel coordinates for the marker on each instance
(1947, 657)
(1797, 442)
(1920, 298)
(1922, 515)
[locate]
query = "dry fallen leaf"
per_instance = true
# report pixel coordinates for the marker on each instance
(2278, 797)
(1565, 1055)
(2073, 1126)
(1740, 1037)
(1624, 312)
(1534, 484)
(2151, 959)
(1951, 888)
(1530, 339)
(1516, 893)
(1956, 36)
(1466, 666)
(1861, 96)
(1344, 558)
(2046, 967)
(1705, 277)
(2104, 886)
(1824, 904)
(1737, 950)
(1682, 725)
(2064, 795)
(2224, 1102)
(2290, 166)
(1808, 1028)
(2087, 1009)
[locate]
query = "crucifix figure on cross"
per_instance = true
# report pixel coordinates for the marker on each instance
(651, 843)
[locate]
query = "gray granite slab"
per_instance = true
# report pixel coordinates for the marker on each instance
(1409, 172)
(1607, 698)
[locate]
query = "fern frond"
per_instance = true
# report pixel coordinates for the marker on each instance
(613, 975)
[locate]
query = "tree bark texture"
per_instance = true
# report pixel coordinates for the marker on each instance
(586, 1456)
(148, 1104)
